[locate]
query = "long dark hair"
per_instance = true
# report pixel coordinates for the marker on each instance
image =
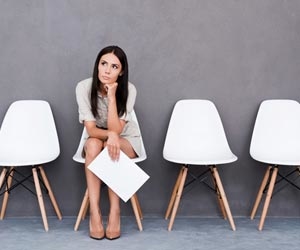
(122, 89)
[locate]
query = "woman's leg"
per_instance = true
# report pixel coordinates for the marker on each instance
(92, 148)
(113, 230)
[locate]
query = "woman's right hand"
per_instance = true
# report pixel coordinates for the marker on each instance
(113, 145)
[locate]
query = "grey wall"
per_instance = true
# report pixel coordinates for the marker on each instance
(235, 53)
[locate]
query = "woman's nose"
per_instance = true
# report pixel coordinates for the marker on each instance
(107, 70)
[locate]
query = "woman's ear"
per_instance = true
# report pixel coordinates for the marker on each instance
(121, 74)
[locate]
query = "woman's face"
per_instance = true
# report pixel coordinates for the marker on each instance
(109, 68)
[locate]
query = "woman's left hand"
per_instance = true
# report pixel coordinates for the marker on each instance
(113, 145)
(111, 90)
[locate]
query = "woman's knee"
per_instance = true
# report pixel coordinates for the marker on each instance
(93, 147)
(127, 148)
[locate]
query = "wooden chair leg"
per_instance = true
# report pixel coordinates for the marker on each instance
(6, 194)
(178, 197)
(136, 212)
(174, 192)
(220, 201)
(268, 198)
(40, 198)
(86, 208)
(223, 197)
(51, 195)
(2, 176)
(82, 211)
(138, 206)
(260, 192)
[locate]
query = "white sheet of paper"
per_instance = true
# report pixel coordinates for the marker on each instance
(124, 177)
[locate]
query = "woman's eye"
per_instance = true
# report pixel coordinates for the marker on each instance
(103, 63)
(115, 67)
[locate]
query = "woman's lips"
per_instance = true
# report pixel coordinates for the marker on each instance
(105, 77)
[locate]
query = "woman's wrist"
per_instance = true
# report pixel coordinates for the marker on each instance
(111, 133)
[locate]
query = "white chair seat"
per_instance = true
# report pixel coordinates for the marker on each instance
(197, 120)
(28, 143)
(276, 133)
(192, 159)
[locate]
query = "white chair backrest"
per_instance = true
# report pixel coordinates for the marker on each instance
(84, 136)
(196, 135)
(143, 155)
(276, 134)
(78, 155)
(28, 134)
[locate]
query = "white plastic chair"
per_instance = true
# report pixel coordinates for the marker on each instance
(195, 136)
(275, 142)
(28, 138)
(134, 199)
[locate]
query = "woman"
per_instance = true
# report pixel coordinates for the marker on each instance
(105, 102)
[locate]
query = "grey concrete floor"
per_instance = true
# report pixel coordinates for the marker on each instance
(188, 233)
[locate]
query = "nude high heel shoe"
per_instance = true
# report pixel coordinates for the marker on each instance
(96, 234)
(113, 235)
